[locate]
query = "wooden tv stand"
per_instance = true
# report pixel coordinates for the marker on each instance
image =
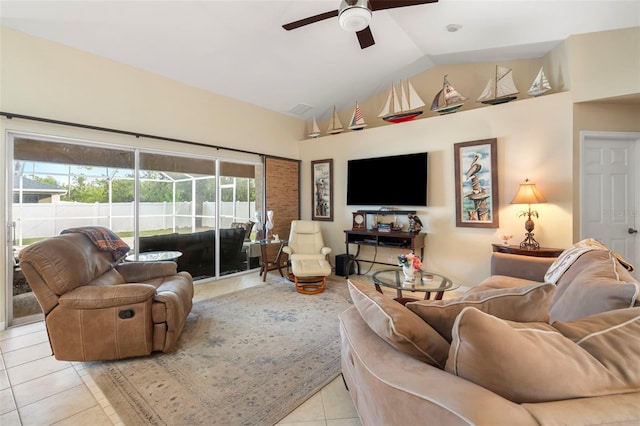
(394, 239)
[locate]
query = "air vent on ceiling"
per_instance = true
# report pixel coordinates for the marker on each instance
(301, 109)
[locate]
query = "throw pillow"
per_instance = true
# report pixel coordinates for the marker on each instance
(398, 326)
(536, 362)
(525, 304)
(596, 282)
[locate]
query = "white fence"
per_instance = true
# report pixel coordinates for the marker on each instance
(47, 220)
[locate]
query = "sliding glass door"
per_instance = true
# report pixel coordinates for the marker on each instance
(58, 185)
(199, 207)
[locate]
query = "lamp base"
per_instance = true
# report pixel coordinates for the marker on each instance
(529, 242)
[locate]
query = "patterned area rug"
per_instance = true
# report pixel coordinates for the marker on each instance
(245, 358)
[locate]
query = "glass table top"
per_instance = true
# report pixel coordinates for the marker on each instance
(153, 256)
(425, 281)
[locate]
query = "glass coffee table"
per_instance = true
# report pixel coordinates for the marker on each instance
(154, 256)
(427, 282)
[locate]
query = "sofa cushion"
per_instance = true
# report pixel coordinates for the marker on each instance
(500, 281)
(397, 325)
(537, 362)
(596, 282)
(525, 304)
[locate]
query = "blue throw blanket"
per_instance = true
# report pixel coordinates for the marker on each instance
(104, 239)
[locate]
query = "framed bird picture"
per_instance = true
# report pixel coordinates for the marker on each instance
(476, 169)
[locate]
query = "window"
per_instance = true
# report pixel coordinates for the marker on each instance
(59, 185)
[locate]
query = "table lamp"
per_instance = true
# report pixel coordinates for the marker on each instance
(528, 194)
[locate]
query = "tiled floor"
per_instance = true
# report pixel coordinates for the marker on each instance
(37, 389)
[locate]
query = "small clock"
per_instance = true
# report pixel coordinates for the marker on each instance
(359, 221)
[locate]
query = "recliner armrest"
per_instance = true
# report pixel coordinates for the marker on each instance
(135, 272)
(326, 250)
(287, 250)
(98, 297)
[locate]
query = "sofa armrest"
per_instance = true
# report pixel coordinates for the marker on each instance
(390, 387)
(618, 409)
(99, 297)
(518, 266)
(136, 272)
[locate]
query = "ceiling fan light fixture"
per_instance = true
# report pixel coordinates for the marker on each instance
(354, 15)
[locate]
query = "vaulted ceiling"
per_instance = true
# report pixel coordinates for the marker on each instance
(239, 49)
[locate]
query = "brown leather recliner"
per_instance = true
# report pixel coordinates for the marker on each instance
(98, 309)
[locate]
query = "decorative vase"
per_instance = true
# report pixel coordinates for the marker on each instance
(409, 275)
(269, 224)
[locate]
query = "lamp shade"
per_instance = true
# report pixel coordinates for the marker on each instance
(528, 194)
(354, 15)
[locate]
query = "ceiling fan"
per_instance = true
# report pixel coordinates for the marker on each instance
(355, 15)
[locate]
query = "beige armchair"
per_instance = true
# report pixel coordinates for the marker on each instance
(99, 309)
(308, 257)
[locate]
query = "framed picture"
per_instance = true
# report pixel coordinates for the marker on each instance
(322, 187)
(476, 168)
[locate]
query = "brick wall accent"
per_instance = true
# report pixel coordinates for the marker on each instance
(282, 188)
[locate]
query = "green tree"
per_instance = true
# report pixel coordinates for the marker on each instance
(47, 180)
(123, 191)
(155, 187)
(89, 191)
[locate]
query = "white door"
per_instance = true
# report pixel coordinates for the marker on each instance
(609, 187)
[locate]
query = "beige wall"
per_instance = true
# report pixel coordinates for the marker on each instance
(536, 136)
(594, 66)
(604, 64)
(534, 141)
(556, 68)
(44, 79)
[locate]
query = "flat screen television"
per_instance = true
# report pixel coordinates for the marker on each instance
(399, 180)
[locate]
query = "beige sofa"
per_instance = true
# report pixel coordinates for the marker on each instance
(513, 350)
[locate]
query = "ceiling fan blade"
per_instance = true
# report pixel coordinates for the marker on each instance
(365, 38)
(310, 20)
(390, 4)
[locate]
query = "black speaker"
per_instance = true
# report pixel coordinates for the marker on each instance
(341, 265)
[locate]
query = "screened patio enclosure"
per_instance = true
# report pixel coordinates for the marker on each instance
(155, 201)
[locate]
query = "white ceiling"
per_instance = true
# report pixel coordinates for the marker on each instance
(239, 49)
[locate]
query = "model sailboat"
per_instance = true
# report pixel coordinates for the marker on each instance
(335, 125)
(315, 130)
(397, 110)
(357, 120)
(540, 84)
(500, 88)
(447, 100)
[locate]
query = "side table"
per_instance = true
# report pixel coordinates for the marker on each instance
(541, 252)
(270, 265)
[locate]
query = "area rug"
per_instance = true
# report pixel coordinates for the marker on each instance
(245, 358)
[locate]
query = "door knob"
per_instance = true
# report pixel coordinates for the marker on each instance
(632, 231)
